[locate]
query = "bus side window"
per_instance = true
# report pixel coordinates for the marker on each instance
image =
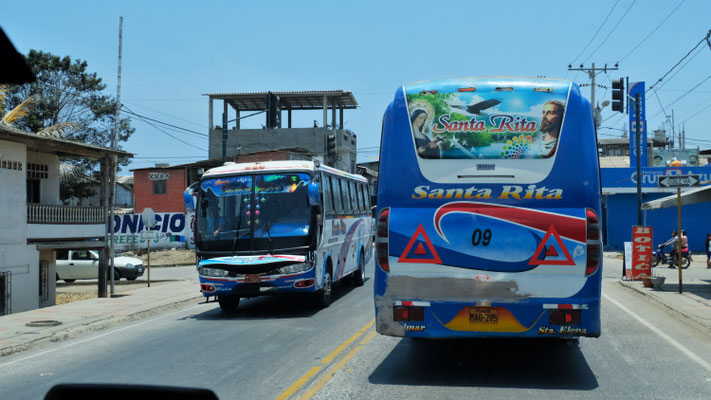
(328, 194)
(345, 196)
(337, 195)
(359, 196)
(352, 192)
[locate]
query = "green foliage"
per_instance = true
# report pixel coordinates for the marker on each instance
(65, 91)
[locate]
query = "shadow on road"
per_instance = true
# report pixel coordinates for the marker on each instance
(701, 290)
(510, 363)
(296, 305)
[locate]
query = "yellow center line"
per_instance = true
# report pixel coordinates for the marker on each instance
(367, 338)
(345, 344)
(293, 388)
(330, 374)
(313, 371)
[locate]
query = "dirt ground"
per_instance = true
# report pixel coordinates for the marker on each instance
(165, 257)
(82, 290)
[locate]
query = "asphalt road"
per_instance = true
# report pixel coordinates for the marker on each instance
(282, 346)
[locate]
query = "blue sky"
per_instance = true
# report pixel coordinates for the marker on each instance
(175, 51)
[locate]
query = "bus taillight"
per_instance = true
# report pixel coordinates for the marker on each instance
(381, 239)
(593, 241)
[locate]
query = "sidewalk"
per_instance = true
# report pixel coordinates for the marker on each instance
(91, 315)
(693, 303)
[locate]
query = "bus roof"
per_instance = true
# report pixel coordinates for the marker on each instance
(231, 168)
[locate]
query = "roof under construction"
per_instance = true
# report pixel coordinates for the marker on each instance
(309, 100)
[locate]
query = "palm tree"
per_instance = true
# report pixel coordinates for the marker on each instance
(23, 109)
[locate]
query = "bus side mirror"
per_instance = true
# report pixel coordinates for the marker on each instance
(313, 194)
(190, 196)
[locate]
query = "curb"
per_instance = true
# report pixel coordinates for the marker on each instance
(656, 299)
(101, 323)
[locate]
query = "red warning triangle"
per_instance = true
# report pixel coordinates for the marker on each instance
(420, 249)
(551, 252)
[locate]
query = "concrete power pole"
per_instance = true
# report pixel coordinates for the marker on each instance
(592, 72)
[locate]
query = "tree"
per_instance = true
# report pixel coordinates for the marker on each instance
(68, 97)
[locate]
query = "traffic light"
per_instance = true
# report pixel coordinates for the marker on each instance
(272, 110)
(331, 145)
(618, 95)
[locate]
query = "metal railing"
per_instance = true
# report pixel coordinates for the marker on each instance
(51, 214)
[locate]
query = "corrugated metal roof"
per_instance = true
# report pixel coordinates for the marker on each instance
(304, 100)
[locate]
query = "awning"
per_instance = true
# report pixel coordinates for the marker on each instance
(693, 196)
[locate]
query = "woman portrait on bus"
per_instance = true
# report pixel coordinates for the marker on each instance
(426, 148)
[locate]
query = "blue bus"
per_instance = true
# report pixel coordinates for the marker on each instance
(487, 216)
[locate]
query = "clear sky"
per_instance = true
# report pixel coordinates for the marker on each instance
(175, 51)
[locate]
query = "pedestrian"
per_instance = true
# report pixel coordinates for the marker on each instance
(708, 250)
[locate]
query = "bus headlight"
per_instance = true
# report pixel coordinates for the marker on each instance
(294, 268)
(220, 273)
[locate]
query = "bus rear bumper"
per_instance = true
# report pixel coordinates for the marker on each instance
(560, 318)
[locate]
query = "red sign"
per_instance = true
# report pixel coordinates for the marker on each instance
(641, 252)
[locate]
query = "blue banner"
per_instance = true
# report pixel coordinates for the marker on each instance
(634, 89)
(627, 177)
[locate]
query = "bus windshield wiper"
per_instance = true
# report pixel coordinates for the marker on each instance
(271, 247)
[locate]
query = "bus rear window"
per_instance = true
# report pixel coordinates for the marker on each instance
(478, 124)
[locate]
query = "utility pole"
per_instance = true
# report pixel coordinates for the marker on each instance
(592, 72)
(114, 160)
(638, 149)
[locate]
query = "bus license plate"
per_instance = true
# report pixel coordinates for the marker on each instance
(483, 315)
(252, 279)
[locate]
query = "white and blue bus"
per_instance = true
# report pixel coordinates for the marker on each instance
(279, 227)
(487, 217)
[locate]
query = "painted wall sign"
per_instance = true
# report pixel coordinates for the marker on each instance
(10, 164)
(158, 176)
(172, 230)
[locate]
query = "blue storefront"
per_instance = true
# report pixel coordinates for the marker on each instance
(619, 188)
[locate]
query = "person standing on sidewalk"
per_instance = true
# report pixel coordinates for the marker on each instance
(708, 250)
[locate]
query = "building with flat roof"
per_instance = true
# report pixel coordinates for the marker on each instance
(328, 141)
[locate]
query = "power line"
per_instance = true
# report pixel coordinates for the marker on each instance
(682, 96)
(596, 32)
(171, 116)
(165, 123)
(697, 113)
(680, 68)
(653, 30)
(610, 33)
(161, 130)
(680, 61)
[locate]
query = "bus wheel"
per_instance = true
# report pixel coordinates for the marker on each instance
(323, 296)
(228, 303)
(359, 274)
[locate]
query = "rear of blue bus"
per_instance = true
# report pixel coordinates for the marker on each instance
(488, 211)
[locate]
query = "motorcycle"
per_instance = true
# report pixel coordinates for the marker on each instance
(659, 256)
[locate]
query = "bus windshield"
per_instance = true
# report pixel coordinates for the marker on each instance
(273, 209)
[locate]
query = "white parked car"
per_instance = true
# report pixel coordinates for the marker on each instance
(84, 264)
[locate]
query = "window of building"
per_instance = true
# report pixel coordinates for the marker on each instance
(160, 187)
(37, 171)
(33, 191)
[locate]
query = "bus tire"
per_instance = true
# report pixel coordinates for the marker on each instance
(228, 303)
(323, 295)
(359, 275)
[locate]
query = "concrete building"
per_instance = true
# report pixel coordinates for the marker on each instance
(279, 134)
(35, 224)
